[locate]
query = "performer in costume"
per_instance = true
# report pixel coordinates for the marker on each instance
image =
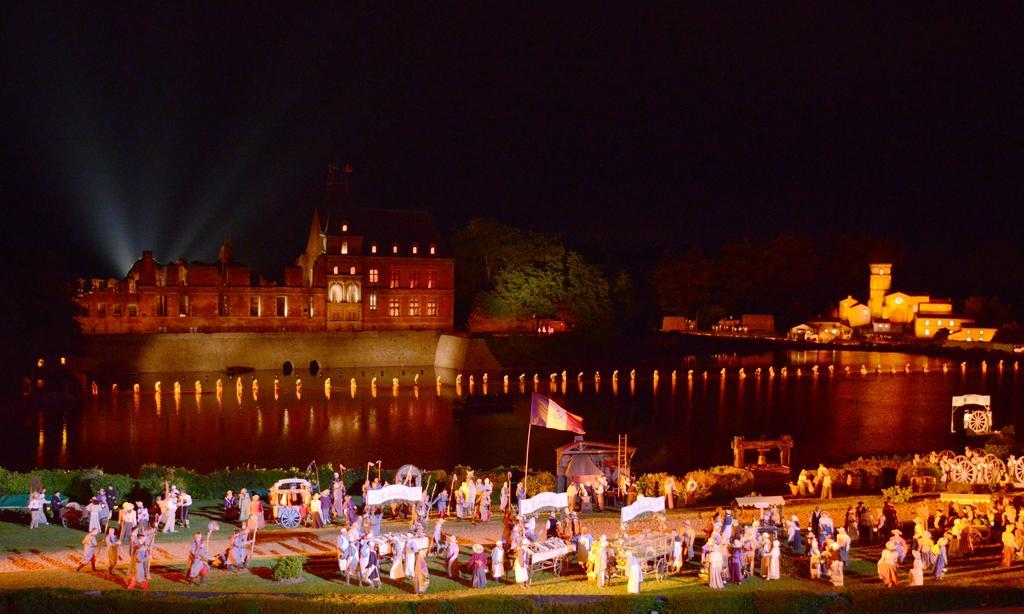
(112, 542)
(198, 561)
(89, 545)
(498, 561)
(478, 566)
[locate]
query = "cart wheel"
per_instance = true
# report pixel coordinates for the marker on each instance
(557, 565)
(65, 522)
(288, 517)
(661, 569)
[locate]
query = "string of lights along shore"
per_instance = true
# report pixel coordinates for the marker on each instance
(559, 381)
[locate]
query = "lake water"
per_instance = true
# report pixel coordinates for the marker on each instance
(832, 417)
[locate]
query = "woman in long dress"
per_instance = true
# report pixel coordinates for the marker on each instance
(398, 566)
(244, 501)
(410, 557)
(815, 560)
(256, 520)
(522, 565)
(773, 563)
(715, 579)
(917, 570)
(887, 566)
(601, 562)
(498, 561)
(93, 509)
(421, 573)
(373, 568)
(941, 558)
(736, 562)
(634, 574)
(766, 555)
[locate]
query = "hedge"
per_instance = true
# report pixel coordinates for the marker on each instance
(80, 484)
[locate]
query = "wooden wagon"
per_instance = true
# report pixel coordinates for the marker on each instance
(289, 501)
(652, 549)
(549, 555)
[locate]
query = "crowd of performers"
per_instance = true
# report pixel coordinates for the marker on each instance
(737, 544)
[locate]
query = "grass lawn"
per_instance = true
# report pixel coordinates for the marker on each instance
(51, 585)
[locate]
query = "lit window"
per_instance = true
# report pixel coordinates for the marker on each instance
(433, 249)
(183, 306)
(310, 307)
(373, 301)
(898, 300)
(344, 227)
(101, 310)
(337, 294)
(927, 322)
(395, 278)
(133, 310)
(344, 247)
(351, 270)
(414, 306)
(335, 270)
(161, 305)
(415, 249)
(117, 310)
(927, 332)
(431, 306)
(254, 306)
(373, 276)
(223, 305)
(430, 279)
(282, 306)
(373, 248)
(414, 279)
(394, 248)
(393, 308)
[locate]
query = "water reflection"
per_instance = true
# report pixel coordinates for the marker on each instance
(831, 413)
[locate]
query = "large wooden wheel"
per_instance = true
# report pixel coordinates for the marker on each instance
(288, 517)
(1016, 469)
(961, 469)
(947, 455)
(661, 569)
(978, 421)
(993, 469)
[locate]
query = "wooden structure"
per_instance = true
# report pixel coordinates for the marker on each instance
(740, 445)
(611, 459)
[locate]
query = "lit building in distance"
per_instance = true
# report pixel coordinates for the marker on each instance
(362, 269)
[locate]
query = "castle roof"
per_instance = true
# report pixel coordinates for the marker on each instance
(386, 226)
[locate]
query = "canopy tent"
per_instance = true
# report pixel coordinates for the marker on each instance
(394, 492)
(582, 469)
(642, 507)
(760, 503)
(544, 501)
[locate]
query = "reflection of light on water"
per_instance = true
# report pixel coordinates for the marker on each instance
(259, 420)
(159, 403)
(284, 423)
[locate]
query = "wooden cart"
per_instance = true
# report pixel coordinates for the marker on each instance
(652, 549)
(549, 555)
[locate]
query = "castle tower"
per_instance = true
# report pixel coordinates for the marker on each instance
(881, 283)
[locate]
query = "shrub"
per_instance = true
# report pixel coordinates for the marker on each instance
(653, 484)
(909, 470)
(898, 494)
(541, 481)
(288, 567)
(729, 481)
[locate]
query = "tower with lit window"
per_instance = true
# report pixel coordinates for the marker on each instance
(881, 283)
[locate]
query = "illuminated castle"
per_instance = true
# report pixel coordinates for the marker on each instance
(362, 269)
(901, 313)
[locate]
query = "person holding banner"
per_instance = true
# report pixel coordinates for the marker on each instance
(505, 495)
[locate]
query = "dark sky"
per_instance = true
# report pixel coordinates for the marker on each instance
(170, 127)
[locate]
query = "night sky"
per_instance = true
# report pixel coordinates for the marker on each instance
(170, 128)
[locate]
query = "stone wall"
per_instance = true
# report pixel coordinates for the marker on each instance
(217, 351)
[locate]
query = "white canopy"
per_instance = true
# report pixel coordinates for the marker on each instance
(973, 399)
(760, 502)
(642, 506)
(557, 500)
(394, 492)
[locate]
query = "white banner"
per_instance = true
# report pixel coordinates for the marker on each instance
(558, 500)
(643, 505)
(394, 492)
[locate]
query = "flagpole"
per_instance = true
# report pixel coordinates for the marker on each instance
(526, 465)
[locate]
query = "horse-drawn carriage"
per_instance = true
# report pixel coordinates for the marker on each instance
(19, 504)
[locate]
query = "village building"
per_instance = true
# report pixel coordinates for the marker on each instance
(362, 269)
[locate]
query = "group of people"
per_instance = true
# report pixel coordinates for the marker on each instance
(139, 541)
